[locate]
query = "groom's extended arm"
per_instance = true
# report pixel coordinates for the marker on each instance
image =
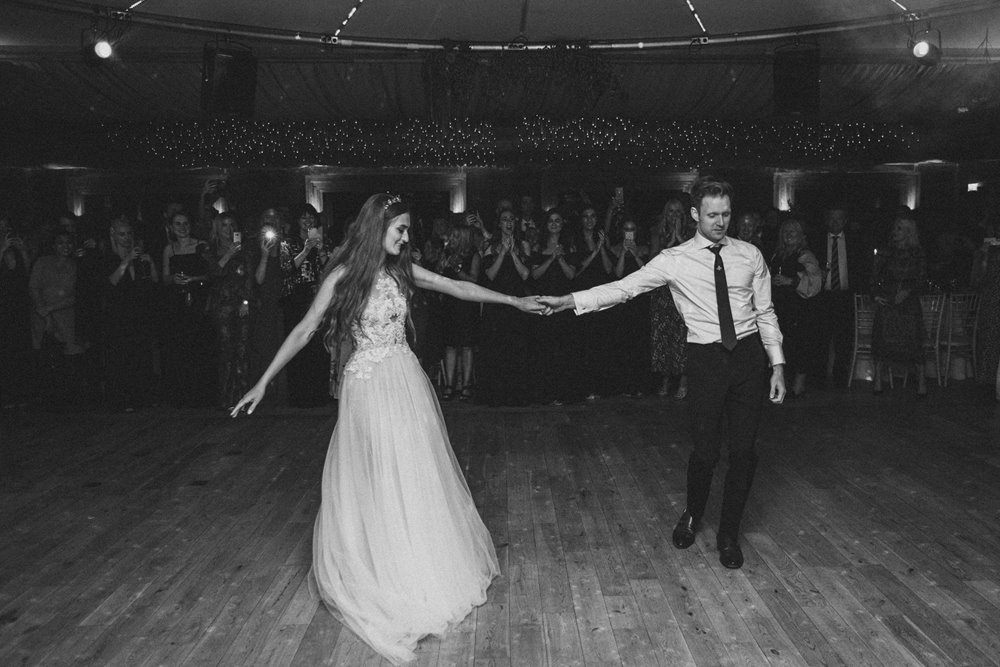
(655, 273)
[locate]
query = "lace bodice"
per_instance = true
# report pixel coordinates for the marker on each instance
(381, 331)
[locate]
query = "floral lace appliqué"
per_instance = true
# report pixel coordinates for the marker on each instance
(381, 330)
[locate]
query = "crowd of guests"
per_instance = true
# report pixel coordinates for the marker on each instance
(190, 323)
(190, 319)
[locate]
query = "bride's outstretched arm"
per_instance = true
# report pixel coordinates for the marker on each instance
(466, 291)
(295, 341)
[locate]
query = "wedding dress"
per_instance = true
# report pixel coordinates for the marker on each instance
(399, 549)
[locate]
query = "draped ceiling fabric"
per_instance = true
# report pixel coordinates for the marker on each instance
(865, 73)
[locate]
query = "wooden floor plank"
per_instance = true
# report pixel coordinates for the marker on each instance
(169, 537)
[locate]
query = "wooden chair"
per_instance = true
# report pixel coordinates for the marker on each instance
(864, 321)
(932, 306)
(958, 331)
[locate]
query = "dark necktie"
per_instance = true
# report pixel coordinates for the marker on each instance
(726, 326)
(835, 263)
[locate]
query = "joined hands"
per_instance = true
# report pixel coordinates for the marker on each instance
(555, 304)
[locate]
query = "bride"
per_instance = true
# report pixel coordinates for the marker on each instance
(399, 550)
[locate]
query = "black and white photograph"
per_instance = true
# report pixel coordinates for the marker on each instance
(528, 334)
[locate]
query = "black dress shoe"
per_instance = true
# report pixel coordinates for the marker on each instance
(684, 531)
(730, 554)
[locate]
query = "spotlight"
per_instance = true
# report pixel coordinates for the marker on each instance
(924, 50)
(99, 42)
(95, 47)
(102, 49)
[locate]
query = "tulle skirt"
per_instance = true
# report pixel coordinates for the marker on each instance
(399, 549)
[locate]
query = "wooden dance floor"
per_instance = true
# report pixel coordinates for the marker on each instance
(183, 538)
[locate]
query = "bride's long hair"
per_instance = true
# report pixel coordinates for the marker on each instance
(363, 256)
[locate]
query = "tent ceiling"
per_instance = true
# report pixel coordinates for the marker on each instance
(865, 72)
(30, 23)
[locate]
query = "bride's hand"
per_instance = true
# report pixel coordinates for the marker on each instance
(249, 402)
(531, 304)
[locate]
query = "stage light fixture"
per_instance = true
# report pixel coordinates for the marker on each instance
(103, 49)
(96, 46)
(99, 42)
(923, 48)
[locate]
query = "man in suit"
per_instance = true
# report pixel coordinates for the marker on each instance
(846, 259)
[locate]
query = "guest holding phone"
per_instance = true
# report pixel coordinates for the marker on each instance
(268, 247)
(233, 306)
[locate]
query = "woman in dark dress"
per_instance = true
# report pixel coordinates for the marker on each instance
(459, 261)
(16, 367)
(89, 258)
(630, 340)
(595, 262)
(900, 273)
(302, 265)
(986, 276)
(555, 368)
(502, 359)
(188, 350)
(668, 333)
(795, 279)
(232, 304)
(268, 331)
(130, 298)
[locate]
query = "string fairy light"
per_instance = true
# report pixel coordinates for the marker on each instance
(418, 143)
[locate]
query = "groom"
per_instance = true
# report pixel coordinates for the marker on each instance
(722, 288)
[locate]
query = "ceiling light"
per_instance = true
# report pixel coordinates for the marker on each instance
(102, 49)
(923, 48)
(96, 46)
(99, 42)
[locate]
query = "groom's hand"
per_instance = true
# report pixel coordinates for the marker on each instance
(558, 303)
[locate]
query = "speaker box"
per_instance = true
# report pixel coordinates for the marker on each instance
(796, 81)
(228, 81)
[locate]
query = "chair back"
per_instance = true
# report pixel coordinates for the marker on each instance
(932, 306)
(864, 319)
(963, 309)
